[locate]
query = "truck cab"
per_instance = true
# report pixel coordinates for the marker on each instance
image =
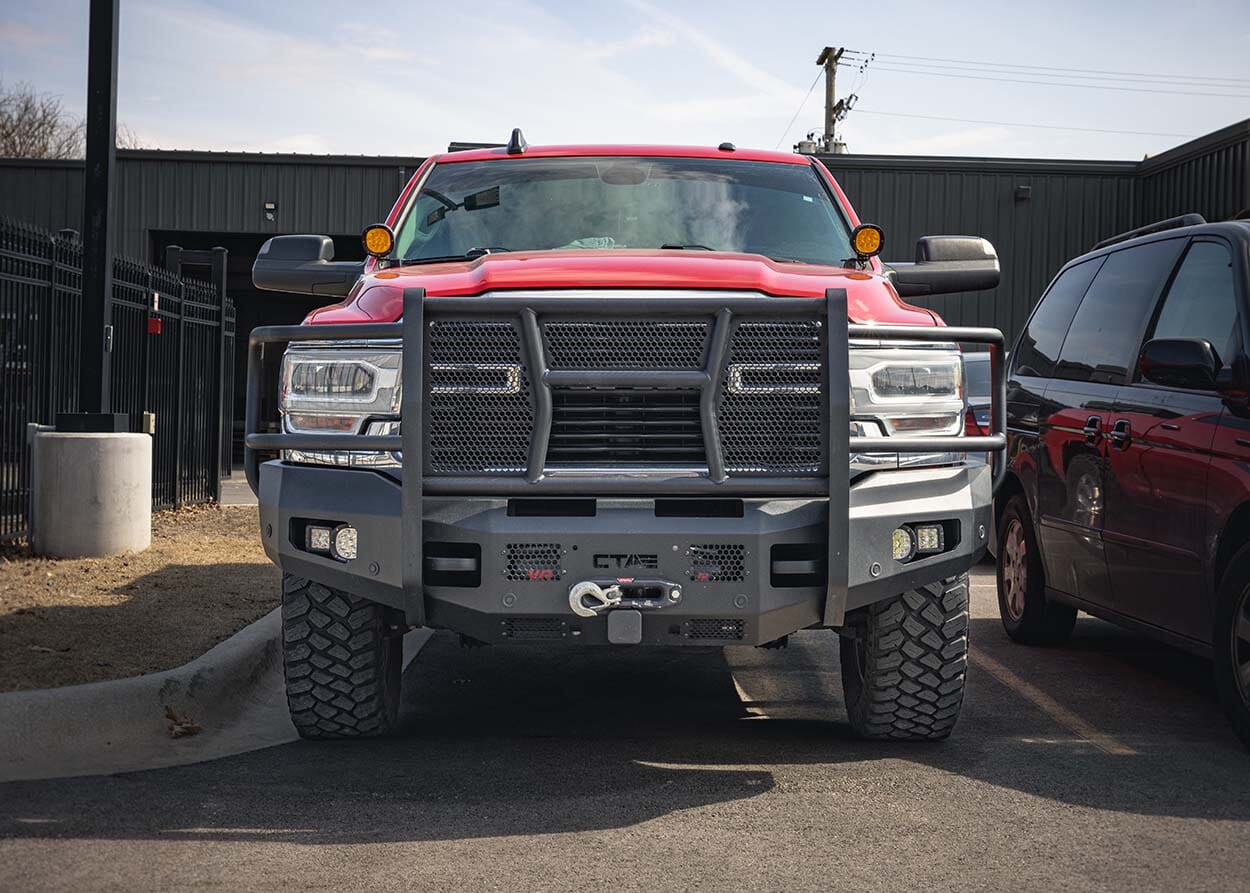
(618, 396)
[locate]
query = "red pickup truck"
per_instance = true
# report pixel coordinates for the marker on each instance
(627, 396)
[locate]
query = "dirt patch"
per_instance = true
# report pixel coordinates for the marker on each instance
(204, 578)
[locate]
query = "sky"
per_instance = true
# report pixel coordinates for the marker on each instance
(405, 78)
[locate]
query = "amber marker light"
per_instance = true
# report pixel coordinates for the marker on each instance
(378, 239)
(867, 239)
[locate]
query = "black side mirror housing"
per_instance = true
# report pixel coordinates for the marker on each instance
(1181, 363)
(304, 265)
(945, 265)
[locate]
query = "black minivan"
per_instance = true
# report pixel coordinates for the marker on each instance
(1128, 415)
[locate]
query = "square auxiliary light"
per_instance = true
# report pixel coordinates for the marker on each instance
(929, 538)
(318, 539)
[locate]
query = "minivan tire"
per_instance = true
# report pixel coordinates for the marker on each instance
(342, 661)
(903, 671)
(1028, 616)
(1230, 650)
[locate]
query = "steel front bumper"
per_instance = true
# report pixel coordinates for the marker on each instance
(746, 579)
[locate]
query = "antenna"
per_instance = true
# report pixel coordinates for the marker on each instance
(517, 144)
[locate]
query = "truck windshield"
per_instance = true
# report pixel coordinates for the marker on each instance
(781, 211)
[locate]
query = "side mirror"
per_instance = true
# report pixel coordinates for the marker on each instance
(1180, 363)
(304, 265)
(947, 264)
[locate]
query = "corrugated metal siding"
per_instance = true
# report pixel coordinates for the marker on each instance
(1210, 176)
(1066, 213)
(1073, 204)
(207, 193)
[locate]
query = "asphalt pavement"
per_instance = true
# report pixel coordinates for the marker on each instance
(1104, 764)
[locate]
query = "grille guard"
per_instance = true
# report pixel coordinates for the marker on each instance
(411, 330)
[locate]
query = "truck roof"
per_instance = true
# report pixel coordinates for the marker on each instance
(574, 151)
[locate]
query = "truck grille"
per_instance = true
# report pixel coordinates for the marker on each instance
(650, 426)
(484, 397)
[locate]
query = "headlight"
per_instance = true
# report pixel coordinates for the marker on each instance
(334, 390)
(911, 391)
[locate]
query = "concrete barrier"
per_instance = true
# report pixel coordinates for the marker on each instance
(92, 494)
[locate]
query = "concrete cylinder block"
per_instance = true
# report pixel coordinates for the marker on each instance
(91, 494)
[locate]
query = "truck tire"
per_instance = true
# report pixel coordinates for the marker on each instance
(1231, 644)
(1028, 616)
(342, 661)
(903, 676)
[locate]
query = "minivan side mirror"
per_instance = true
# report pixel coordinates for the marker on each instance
(304, 265)
(945, 265)
(1180, 363)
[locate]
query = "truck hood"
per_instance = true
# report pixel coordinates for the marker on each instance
(379, 295)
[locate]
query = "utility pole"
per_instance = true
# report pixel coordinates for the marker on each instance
(96, 326)
(835, 109)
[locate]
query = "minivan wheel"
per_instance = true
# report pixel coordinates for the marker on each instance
(1232, 644)
(1028, 616)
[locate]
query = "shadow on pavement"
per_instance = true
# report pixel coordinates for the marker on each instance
(510, 741)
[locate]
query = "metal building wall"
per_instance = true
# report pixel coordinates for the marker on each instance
(1067, 208)
(1210, 175)
(211, 192)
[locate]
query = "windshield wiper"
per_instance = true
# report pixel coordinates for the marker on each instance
(674, 246)
(471, 254)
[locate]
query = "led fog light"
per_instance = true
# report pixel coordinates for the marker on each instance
(318, 539)
(345, 543)
(902, 544)
(929, 538)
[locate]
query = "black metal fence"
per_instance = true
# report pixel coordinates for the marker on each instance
(172, 358)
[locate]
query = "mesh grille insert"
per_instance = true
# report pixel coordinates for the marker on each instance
(771, 404)
(640, 426)
(711, 628)
(626, 344)
(533, 562)
(535, 628)
(720, 562)
(481, 415)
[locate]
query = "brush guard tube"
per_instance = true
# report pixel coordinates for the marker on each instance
(416, 484)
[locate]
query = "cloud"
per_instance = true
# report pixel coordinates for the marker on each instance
(24, 36)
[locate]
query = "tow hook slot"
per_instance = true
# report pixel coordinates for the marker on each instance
(590, 598)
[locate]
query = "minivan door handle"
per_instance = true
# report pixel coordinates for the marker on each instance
(1121, 434)
(1093, 429)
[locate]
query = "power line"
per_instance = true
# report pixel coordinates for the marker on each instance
(1022, 124)
(797, 111)
(974, 77)
(1081, 77)
(1184, 77)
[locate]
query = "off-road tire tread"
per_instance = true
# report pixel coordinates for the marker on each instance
(916, 660)
(341, 667)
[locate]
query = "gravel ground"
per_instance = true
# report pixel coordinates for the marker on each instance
(64, 622)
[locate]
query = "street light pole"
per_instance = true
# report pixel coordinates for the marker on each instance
(96, 327)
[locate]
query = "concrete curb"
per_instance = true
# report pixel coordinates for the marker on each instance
(233, 692)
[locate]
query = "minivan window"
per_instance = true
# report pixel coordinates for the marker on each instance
(1103, 339)
(1039, 346)
(1202, 301)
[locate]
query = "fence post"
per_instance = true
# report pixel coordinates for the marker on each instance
(174, 252)
(218, 272)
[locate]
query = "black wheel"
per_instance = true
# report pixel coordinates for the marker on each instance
(903, 675)
(342, 658)
(1028, 616)
(1231, 644)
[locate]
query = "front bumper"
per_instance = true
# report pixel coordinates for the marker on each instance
(528, 563)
